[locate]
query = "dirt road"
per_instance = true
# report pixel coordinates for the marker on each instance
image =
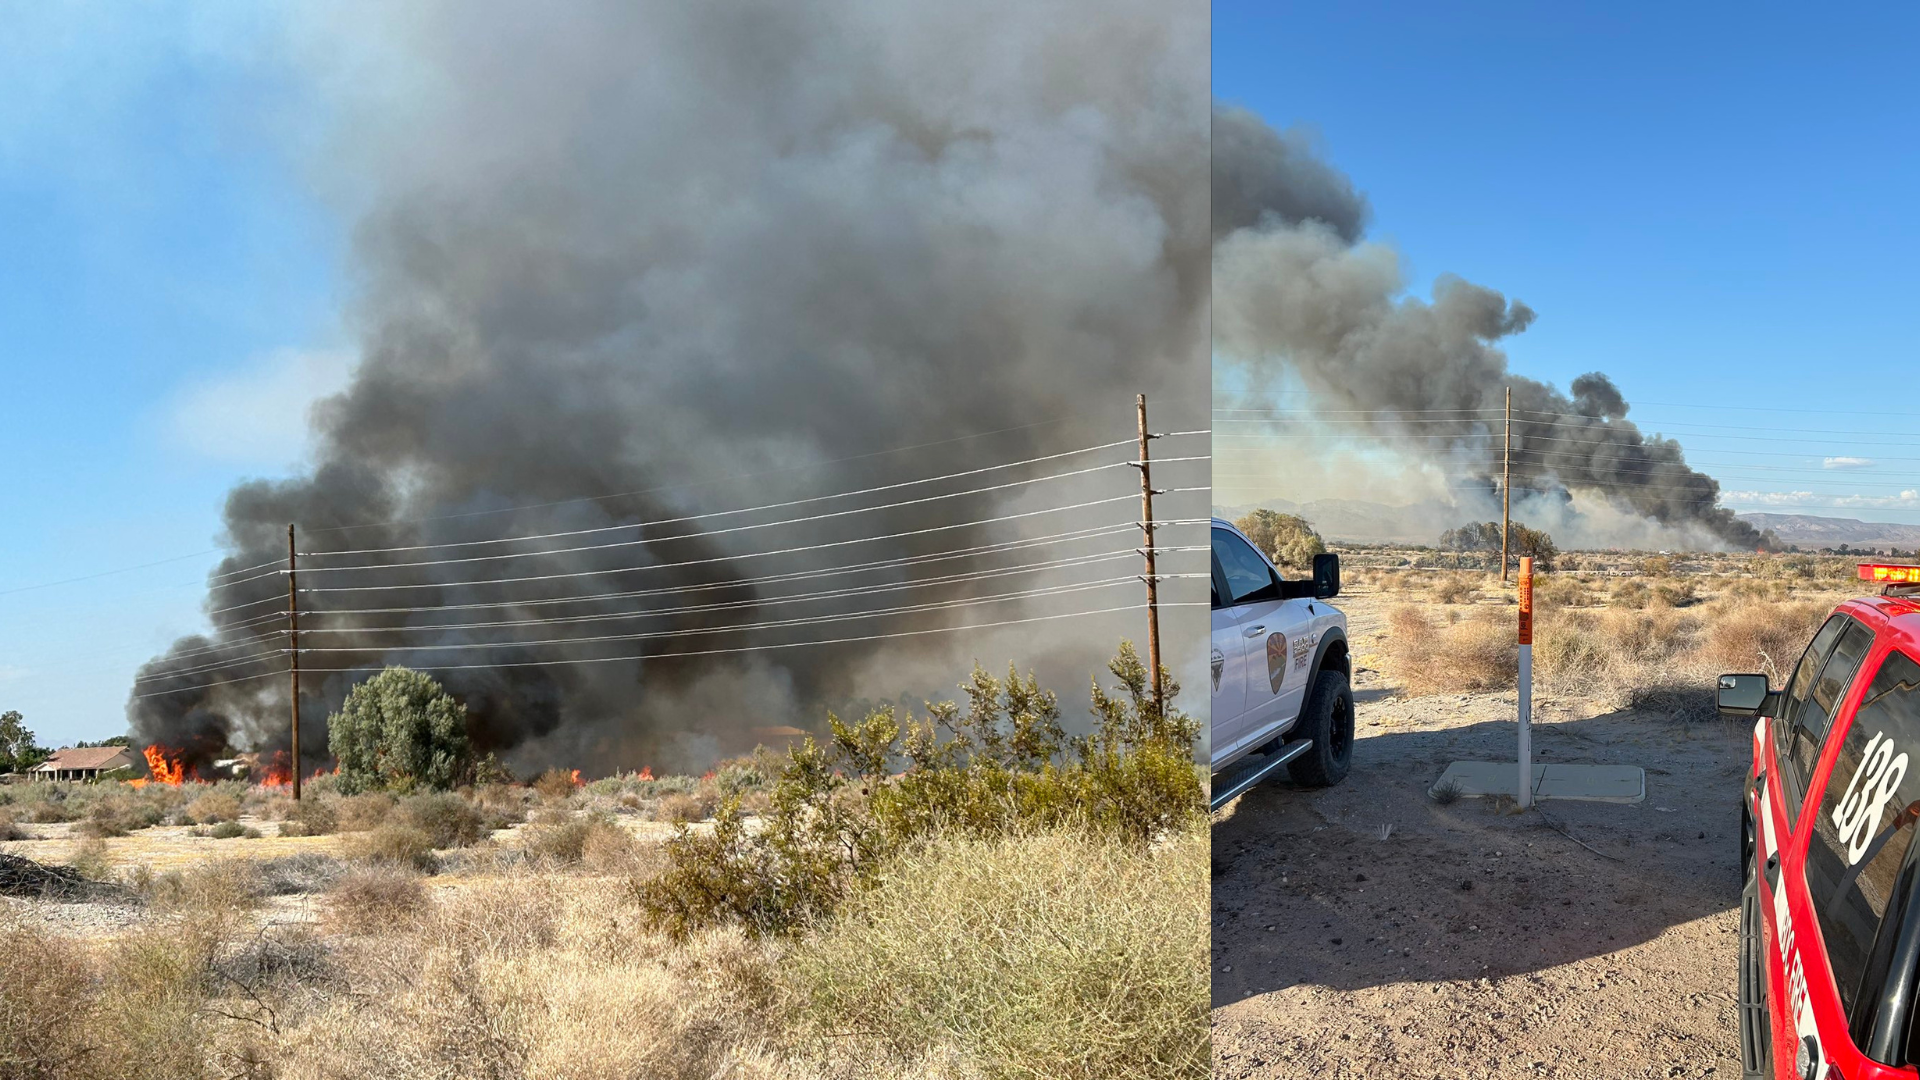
(1367, 931)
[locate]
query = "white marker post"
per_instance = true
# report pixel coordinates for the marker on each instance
(1526, 683)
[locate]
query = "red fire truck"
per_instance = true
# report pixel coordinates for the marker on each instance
(1829, 919)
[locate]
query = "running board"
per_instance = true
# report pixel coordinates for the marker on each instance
(1248, 775)
(1755, 1037)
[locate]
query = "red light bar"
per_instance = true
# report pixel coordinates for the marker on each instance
(1891, 575)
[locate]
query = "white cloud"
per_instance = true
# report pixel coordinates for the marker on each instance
(258, 415)
(1847, 463)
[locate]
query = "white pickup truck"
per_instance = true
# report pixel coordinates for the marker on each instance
(1281, 673)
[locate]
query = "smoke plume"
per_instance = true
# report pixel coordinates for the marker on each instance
(704, 257)
(1298, 294)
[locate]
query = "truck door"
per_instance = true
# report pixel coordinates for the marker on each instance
(1228, 663)
(1267, 627)
(1861, 871)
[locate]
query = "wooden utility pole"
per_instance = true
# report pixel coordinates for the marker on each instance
(1152, 578)
(1506, 488)
(293, 655)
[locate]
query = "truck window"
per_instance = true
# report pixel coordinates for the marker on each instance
(1799, 692)
(1809, 731)
(1865, 820)
(1248, 577)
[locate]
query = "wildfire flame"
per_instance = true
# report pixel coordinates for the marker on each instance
(646, 772)
(574, 775)
(277, 774)
(166, 768)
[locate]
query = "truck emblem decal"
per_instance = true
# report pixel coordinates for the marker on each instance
(1875, 782)
(1303, 650)
(1276, 661)
(1219, 662)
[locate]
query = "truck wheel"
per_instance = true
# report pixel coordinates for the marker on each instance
(1328, 721)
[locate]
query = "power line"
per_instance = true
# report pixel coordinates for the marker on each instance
(828, 594)
(1069, 536)
(776, 624)
(780, 645)
(710, 532)
(743, 555)
(750, 509)
(707, 483)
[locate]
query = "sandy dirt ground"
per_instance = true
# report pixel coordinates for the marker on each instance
(1368, 931)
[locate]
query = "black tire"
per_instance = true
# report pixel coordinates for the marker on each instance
(1328, 722)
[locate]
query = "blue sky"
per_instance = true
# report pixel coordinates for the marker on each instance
(1712, 204)
(168, 303)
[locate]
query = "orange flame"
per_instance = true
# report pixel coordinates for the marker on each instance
(646, 772)
(277, 773)
(574, 775)
(166, 768)
(708, 775)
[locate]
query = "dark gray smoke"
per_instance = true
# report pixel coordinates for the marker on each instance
(1297, 293)
(641, 247)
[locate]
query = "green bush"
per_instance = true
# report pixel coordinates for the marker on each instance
(228, 830)
(1286, 538)
(399, 731)
(1003, 766)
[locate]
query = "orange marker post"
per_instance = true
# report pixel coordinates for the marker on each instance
(1526, 683)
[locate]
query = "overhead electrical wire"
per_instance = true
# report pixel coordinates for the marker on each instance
(754, 509)
(756, 602)
(719, 479)
(742, 555)
(777, 645)
(699, 535)
(1070, 536)
(776, 624)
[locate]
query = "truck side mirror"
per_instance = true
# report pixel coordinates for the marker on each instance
(1326, 575)
(1742, 695)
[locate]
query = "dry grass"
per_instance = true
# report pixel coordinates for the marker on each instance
(395, 845)
(1451, 653)
(375, 899)
(1081, 928)
(1654, 645)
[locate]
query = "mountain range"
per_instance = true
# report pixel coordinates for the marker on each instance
(1422, 523)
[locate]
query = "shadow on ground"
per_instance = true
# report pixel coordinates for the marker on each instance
(1372, 883)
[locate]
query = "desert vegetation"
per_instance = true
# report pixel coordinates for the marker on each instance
(1286, 538)
(972, 893)
(1635, 629)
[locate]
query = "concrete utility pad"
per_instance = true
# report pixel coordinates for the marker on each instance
(1587, 783)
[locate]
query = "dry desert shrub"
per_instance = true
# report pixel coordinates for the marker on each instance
(1083, 927)
(375, 899)
(212, 808)
(396, 845)
(1760, 636)
(45, 1000)
(1454, 589)
(367, 810)
(1476, 651)
(448, 820)
(682, 806)
(557, 838)
(555, 785)
(217, 890)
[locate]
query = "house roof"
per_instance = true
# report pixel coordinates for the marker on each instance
(87, 757)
